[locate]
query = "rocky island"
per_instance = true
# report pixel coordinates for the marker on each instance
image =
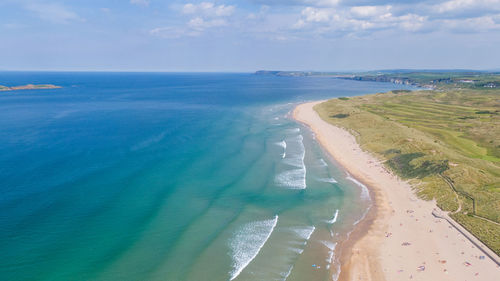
(29, 87)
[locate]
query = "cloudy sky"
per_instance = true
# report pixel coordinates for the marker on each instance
(247, 35)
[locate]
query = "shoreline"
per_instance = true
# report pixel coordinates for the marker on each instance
(399, 238)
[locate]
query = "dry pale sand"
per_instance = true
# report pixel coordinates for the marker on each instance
(400, 239)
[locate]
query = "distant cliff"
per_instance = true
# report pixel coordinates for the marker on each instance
(284, 73)
(386, 78)
(302, 73)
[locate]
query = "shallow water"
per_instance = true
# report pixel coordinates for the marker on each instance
(153, 176)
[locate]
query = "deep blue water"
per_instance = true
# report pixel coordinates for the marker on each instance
(155, 176)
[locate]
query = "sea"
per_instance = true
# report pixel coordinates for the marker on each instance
(171, 176)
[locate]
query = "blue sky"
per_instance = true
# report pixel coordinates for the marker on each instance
(247, 35)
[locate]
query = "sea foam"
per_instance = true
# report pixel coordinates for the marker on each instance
(294, 178)
(328, 180)
(305, 232)
(331, 251)
(334, 219)
(365, 194)
(247, 243)
(287, 273)
(283, 145)
(294, 130)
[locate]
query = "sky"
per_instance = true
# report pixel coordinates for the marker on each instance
(248, 35)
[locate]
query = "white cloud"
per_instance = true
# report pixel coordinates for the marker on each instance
(359, 19)
(140, 2)
(412, 22)
(172, 32)
(193, 28)
(311, 14)
(473, 24)
(335, 18)
(464, 5)
(322, 3)
(200, 24)
(204, 16)
(53, 12)
(264, 9)
(370, 11)
(208, 9)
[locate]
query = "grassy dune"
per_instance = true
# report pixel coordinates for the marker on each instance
(446, 142)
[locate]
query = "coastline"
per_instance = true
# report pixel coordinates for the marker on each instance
(399, 238)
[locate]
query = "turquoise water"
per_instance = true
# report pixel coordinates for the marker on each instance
(150, 176)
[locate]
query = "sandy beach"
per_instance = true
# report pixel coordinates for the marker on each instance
(399, 239)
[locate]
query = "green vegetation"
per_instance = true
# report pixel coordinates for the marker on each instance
(456, 79)
(401, 91)
(465, 79)
(343, 98)
(446, 142)
(340, 115)
(401, 164)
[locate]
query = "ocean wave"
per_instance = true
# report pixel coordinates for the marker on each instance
(365, 194)
(148, 142)
(283, 145)
(328, 180)
(336, 274)
(334, 219)
(247, 243)
(329, 244)
(331, 252)
(293, 130)
(294, 178)
(323, 162)
(287, 273)
(297, 250)
(362, 217)
(296, 159)
(305, 232)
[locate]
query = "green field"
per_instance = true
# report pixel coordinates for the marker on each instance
(446, 142)
(464, 79)
(456, 79)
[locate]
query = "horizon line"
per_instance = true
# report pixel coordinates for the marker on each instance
(254, 71)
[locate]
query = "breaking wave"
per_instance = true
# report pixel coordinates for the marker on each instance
(334, 219)
(305, 232)
(283, 145)
(329, 180)
(294, 178)
(365, 194)
(247, 243)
